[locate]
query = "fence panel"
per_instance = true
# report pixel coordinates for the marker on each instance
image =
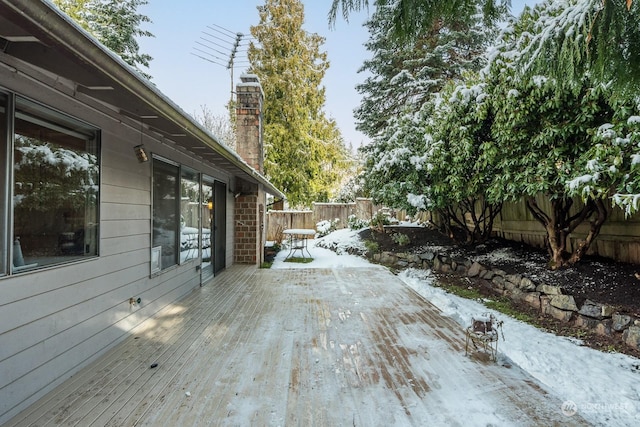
(619, 237)
(277, 221)
(333, 211)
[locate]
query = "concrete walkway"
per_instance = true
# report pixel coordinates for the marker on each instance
(300, 347)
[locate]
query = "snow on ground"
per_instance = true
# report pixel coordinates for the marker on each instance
(604, 388)
(339, 241)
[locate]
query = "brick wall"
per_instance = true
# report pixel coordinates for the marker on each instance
(246, 229)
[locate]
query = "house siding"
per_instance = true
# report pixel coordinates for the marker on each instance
(56, 320)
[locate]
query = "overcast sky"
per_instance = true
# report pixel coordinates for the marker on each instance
(192, 82)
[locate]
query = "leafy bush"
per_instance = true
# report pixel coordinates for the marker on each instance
(355, 223)
(379, 220)
(372, 247)
(325, 227)
(400, 238)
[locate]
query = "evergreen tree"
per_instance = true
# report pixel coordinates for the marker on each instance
(403, 75)
(304, 151)
(458, 175)
(414, 17)
(396, 109)
(601, 37)
(115, 23)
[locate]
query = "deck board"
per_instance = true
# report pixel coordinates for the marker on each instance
(323, 347)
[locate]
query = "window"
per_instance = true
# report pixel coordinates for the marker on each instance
(56, 177)
(4, 179)
(176, 215)
(166, 208)
(189, 216)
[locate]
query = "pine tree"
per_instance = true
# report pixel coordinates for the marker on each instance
(596, 36)
(414, 17)
(404, 75)
(304, 151)
(115, 23)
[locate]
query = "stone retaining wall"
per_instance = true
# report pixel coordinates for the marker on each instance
(549, 300)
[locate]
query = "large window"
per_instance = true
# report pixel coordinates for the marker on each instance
(189, 216)
(56, 176)
(166, 212)
(4, 179)
(49, 186)
(177, 234)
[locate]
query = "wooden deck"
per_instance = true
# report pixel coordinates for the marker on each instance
(297, 347)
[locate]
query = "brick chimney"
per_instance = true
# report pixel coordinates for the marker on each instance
(250, 202)
(249, 121)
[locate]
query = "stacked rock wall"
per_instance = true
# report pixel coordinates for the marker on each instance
(549, 300)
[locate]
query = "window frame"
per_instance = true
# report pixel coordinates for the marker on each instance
(18, 107)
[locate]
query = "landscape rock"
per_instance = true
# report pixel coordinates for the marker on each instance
(500, 273)
(585, 322)
(516, 294)
(427, 256)
(498, 282)
(445, 268)
(487, 274)
(474, 270)
(604, 328)
(608, 310)
(592, 309)
(527, 285)
(533, 299)
(557, 313)
(549, 290)
(414, 259)
(631, 336)
(510, 286)
(563, 302)
(620, 322)
(388, 258)
(513, 278)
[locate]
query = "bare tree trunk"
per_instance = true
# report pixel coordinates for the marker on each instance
(482, 220)
(559, 224)
(594, 230)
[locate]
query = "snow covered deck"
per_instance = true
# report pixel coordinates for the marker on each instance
(323, 347)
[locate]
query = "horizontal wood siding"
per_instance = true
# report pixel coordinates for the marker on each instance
(56, 320)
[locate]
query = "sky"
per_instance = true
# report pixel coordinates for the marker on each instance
(604, 388)
(192, 82)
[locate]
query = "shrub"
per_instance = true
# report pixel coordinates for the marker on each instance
(355, 223)
(379, 220)
(372, 247)
(325, 227)
(401, 239)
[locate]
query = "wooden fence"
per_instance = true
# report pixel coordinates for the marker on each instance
(277, 220)
(619, 237)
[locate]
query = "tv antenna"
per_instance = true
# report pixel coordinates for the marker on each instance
(223, 47)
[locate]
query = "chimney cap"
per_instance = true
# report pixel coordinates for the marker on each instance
(249, 78)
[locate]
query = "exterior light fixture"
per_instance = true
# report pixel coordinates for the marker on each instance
(141, 154)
